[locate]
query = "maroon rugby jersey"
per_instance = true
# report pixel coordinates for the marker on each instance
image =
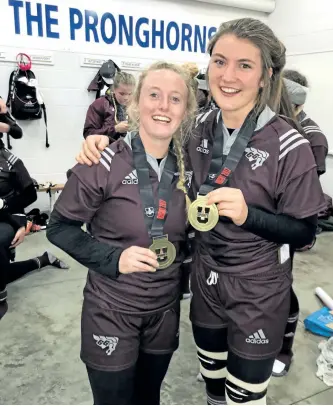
(277, 173)
(106, 196)
(317, 139)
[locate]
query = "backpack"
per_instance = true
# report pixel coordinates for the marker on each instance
(24, 99)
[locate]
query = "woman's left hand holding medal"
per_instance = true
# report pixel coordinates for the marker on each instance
(230, 203)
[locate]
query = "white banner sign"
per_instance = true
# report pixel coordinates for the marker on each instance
(134, 28)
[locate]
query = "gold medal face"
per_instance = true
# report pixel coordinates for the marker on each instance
(165, 251)
(201, 216)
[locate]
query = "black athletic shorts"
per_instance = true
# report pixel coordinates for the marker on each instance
(254, 310)
(111, 341)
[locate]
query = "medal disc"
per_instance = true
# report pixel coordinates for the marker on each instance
(165, 251)
(203, 217)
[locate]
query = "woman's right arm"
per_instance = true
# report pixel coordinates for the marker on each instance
(85, 192)
(83, 195)
(68, 235)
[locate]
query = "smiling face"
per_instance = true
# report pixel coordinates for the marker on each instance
(162, 104)
(235, 74)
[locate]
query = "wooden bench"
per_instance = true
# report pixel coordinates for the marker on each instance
(52, 190)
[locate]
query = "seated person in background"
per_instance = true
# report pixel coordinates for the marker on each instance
(297, 86)
(107, 115)
(3, 107)
(7, 124)
(192, 70)
(204, 97)
(17, 191)
(202, 93)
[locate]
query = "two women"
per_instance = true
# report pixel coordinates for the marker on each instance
(254, 191)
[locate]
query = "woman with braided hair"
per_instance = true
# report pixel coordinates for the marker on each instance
(135, 203)
(108, 114)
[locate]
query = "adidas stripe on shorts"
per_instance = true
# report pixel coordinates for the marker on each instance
(254, 310)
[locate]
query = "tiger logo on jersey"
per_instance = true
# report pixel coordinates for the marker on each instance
(188, 178)
(256, 155)
(106, 343)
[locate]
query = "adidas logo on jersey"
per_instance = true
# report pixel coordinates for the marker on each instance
(257, 338)
(203, 148)
(131, 179)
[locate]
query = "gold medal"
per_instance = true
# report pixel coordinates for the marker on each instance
(203, 217)
(165, 251)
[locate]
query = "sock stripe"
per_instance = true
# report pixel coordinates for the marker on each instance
(211, 401)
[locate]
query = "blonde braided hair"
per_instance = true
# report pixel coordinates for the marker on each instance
(181, 167)
(180, 137)
(121, 78)
(116, 121)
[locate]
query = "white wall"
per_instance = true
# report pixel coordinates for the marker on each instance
(306, 28)
(64, 83)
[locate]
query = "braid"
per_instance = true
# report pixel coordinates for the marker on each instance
(181, 167)
(115, 109)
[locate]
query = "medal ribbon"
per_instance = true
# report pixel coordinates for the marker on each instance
(154, 225)
(224, 173)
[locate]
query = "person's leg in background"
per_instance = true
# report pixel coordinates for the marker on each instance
(212, 351)
(185, 279)
(283, 360)
(7, 234)
(186, 268)
(10, 272)
(17, 270)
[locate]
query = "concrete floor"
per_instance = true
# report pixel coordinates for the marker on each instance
(40, 338)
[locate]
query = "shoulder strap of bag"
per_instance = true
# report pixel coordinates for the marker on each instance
(45, 119)
(10, 87)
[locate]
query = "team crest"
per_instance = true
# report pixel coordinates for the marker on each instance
(150, 212)
(256, 156)
(108, 343)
